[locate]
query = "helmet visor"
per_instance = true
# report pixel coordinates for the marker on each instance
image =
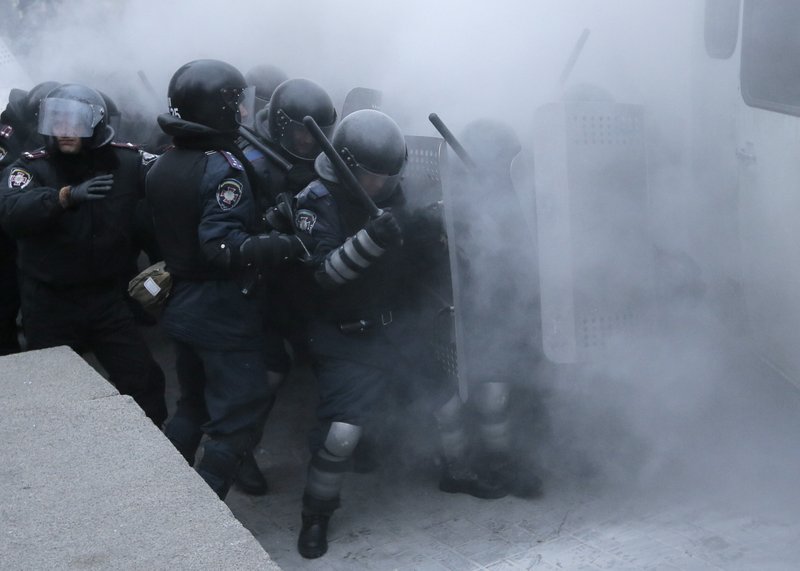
(378, 186)
(242, 102)
(297, 140)
(68, 118)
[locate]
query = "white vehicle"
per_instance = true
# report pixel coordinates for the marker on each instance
(735, 194)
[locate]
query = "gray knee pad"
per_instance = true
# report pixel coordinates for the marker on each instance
(328, 466)
(342, 439)
(451, 413)
(491, 403)
(452, 432)
(491, 399)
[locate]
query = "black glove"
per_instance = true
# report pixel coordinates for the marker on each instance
(281, 216)
(92, 189)
(384, 230)
(269, 250)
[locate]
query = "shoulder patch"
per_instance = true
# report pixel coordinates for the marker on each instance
(129, 146)
(229, 192)
(233, 161)
(38, 154)
(304, 220)
(19, 178)
(6, 131)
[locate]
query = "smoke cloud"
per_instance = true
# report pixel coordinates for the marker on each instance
(673, 406)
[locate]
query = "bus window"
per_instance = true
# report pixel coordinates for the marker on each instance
(770, 72)
(721, 27)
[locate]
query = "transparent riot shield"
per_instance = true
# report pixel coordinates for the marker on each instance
(595, 254)
(494, 275)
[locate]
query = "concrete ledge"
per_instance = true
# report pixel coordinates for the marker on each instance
(87, 481)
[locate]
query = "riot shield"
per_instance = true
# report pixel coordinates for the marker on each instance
(361, 98)
(494, 275)
(422, 185)
(595, 254)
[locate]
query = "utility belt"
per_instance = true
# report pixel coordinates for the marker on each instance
(356, 326)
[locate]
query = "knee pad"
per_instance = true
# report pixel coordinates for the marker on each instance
(341, 440)
(491, 403)
(451, 414)
(491, 399)
(329, 464)
(452, 432)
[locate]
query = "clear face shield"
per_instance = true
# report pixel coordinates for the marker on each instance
(379, 186)
(68, 118)
(296, 139)
(243, 102)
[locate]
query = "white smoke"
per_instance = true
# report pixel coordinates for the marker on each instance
(633, 416)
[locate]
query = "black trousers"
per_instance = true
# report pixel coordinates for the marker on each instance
(9, 307)
(225, 395)
(95, 318)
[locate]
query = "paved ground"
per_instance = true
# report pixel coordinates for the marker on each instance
(647, 465)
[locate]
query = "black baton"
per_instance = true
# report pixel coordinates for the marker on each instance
(452, 141)
(272, 155)
(344, 173)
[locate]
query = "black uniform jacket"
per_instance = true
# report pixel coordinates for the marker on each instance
(84, 244)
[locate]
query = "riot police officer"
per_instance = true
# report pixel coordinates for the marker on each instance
(281, 130)
(209, 229)
(70, 207)
(18, 132)
(362, 267)
(280, 127)
(265, 78)
(499, 317)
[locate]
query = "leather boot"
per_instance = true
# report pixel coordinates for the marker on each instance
(249, 479)
(459, 478)
(517, 477)
(313, 540)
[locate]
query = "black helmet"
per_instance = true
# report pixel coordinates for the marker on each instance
(374, 148)
(208, 92)
(34, 100)
(114, 114)
(293, 100)
(265, 78)
(491, 143)
(74, 110)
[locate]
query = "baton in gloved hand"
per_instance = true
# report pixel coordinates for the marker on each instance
(343, 172)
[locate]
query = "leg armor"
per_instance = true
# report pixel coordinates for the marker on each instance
(491, 403)
(328, 466)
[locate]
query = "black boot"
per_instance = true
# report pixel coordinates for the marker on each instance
(250, 480)
(518, 479)
(458, 478)
(313, 540)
